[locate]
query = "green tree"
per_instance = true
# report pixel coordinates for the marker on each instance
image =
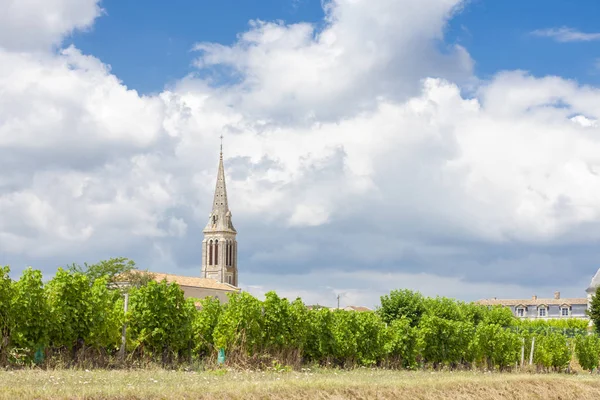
(443, 341)
(402, 303)
(6, 312)
(497, 346)
(501, 316)
(112, 269)
(319, 338)
(240, 325)
(160, 318)
(107, 316)
(445, 308)
(587, 350)
(552, 351)
(401, 343)
(204, 325)
(594, 310)
(70, 309)
(31, 311)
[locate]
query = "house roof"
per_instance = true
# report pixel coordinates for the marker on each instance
(193, 281)
(531, 301)
(357, 308)
(190, 281)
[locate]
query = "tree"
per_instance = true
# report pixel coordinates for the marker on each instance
(240, 325)
(402, 303)
(161, 318)
(6, 314)
(31, 310)
(70, 308)
(587, 349)
(401, 344)
(594, 310)
(112, 269)
(497, 346)
(204, 325)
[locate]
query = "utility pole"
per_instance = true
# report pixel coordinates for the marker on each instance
(338, 299)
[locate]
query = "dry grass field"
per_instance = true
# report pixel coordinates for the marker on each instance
(357, 384)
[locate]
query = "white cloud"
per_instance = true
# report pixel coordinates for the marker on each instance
(367, 51)
(39, 24)
(353, 147)
(566, 34)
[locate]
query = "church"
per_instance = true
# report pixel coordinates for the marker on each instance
(219, 267)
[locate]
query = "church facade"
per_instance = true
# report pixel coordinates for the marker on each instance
(219, 246)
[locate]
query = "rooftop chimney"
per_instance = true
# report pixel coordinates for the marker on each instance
(557, 295)
(534, 297)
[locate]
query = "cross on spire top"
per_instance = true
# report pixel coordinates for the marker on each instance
(221, 144)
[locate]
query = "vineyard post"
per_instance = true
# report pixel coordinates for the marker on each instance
(531, 353)
(522, 352)
(124, 332)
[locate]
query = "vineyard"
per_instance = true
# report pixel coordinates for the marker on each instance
(77, 319)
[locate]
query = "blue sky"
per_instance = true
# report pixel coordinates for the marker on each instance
(375, 155)
(149, 47)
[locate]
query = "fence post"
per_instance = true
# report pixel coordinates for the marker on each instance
(531, 353)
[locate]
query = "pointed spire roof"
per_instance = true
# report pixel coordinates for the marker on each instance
(220, 217)
(220, 200)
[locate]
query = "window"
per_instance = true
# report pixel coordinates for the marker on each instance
(520, 312)
(210, 253)
(229, 279)
(564, 311)
(542, 311)
(216, 252)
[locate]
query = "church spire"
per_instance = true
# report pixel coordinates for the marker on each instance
(219, 247)
(220, 200)
(220, 217)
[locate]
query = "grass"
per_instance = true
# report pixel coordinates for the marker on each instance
(320, 384)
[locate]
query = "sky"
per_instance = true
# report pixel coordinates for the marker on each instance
(445, 146)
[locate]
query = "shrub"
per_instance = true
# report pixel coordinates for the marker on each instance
(587, 350)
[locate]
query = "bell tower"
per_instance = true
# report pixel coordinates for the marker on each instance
(219, 247)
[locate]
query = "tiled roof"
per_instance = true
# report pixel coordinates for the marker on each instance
(531, 301)
(195, 282)
(357, 308)
(192, 281)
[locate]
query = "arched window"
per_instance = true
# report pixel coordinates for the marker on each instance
(231, 254)
(234, 255)
(216, 252)
(228, 253)
(210, 253)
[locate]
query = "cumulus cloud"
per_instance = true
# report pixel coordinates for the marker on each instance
(366, 51)
(566, 34)
(27, 25)
(350, 148)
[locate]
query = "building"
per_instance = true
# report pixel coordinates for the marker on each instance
(219, 275)
(550, 308)
(198, 288)
(219, 247)
(543, 308)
